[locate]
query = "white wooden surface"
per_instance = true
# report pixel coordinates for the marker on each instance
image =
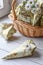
(7, 46)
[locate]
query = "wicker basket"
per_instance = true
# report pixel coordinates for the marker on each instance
(23, 27)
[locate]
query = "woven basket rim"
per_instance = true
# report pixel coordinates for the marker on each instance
(11, 16)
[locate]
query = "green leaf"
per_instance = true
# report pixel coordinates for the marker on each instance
(24, 2)
(33, 6)
(35, 1)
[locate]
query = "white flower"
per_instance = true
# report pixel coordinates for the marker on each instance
(37, 5)
(33, 10)
(27, 7)
(30, 2)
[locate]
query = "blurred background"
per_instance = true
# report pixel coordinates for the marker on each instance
(5, 7)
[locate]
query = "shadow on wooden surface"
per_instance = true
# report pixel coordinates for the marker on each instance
(14, 38)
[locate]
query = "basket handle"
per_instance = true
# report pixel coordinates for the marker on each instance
(13, 9)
